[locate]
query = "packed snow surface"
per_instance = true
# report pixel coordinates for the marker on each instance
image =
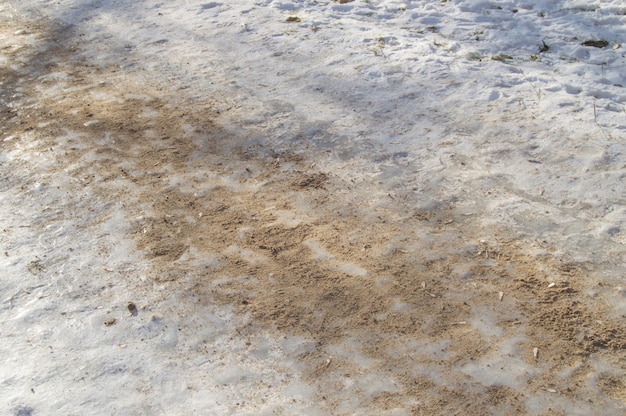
(318, 134)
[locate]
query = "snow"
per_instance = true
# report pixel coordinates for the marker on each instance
(452, 100)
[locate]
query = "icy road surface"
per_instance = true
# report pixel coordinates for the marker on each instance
(320, 208)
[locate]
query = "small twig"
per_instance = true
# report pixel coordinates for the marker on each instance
(531, 84)
(602, 69)
(595, 120)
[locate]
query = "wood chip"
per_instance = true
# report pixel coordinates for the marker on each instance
(500, 296)
(551, 285)
(536, 352)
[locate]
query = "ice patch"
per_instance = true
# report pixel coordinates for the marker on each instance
(484, 321)
(504, 366)
(287, 218)
(351, 269)
(245, 254)
(105, 97)
(321, 255)
(402, 307)
(149, 113)
(138, 97)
